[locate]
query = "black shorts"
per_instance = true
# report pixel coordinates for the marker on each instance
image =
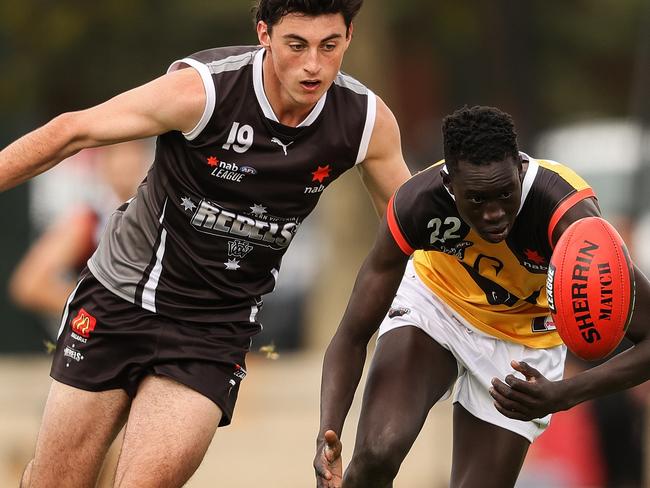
(106, 343)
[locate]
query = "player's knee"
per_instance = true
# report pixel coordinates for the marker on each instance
(26, 478)
(376, 463)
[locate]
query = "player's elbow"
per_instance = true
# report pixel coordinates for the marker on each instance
(22, 291)
(70, 131)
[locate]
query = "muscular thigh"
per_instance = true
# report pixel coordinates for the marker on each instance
(485, 454)
(77, 429)
(409, 373)
(168, 431)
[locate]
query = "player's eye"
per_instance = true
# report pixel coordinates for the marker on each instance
(296, 47)
(329, 46)
(476, 200)
(505, 195)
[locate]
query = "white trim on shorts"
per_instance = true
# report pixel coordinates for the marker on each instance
(66, 309)
(480, 356)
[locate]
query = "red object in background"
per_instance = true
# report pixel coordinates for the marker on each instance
(569, 451)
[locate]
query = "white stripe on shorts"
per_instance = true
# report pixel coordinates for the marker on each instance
(64, 319)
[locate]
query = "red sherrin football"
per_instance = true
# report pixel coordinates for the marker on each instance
(590, 288)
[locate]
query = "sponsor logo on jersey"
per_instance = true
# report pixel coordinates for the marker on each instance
(264, 230)
(229, 171)
(277, 141)
(73, 354)
(239, 372)
(457, 250)
(83, 324)
(543, 324)
(534, 261)
(398, 312)
(239, 249)
(320, 175)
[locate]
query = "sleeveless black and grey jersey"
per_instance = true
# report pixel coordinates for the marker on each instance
(204, 236)
(500, 288)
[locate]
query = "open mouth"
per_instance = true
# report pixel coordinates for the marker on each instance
(495, 235)
(310, 85)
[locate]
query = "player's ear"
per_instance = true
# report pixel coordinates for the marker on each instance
(348, 34)
(520, 167)
(264, 34)
(446, 180)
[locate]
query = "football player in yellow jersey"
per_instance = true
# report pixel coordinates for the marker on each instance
(468, 308)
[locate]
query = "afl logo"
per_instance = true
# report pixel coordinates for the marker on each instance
(249, 170)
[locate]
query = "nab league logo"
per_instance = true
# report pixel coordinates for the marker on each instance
(229, 171)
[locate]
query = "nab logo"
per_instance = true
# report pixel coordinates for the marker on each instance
(320, 175)
(83, 324)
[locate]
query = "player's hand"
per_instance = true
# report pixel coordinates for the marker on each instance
(528, 399)
(328, 463)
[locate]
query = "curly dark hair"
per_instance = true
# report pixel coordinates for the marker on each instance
(271, 11)
(478, 135)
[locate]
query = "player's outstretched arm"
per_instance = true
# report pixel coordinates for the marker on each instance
(174, 101)
(41, 280)
(371, 297)
(536, 396)
(384, 169)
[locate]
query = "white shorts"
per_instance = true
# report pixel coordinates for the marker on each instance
(480, 356)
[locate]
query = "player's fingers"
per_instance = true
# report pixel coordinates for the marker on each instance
(526, 369)
(506, 403)
(513, 414)
(322, 473)
(506, 392)
(332, 448)
(530, 388)
(321, 468)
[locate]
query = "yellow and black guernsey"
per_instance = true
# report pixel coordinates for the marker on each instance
(498, 288)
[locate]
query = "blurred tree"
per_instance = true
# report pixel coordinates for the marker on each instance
(545, 62)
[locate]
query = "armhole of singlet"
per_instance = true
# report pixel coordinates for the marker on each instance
(210, 94)
(395, 230)
(564, 207)
(371, 115)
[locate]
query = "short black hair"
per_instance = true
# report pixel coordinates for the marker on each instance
(478, 135)
(272, 11)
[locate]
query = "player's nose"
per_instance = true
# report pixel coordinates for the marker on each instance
(493, 213)
(312, 62)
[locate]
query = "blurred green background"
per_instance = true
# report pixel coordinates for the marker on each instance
(547, 63)
(574, 75)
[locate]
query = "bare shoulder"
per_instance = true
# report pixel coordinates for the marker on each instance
(385, 137)
(384, 169)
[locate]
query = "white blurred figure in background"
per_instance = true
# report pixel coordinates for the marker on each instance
(69, 208)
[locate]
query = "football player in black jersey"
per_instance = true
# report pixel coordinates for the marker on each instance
(466, 311)
(139, 342)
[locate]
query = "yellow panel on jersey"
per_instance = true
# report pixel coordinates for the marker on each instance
(499, 288)
(450, 281)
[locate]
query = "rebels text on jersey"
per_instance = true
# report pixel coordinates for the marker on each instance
(204, 237)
